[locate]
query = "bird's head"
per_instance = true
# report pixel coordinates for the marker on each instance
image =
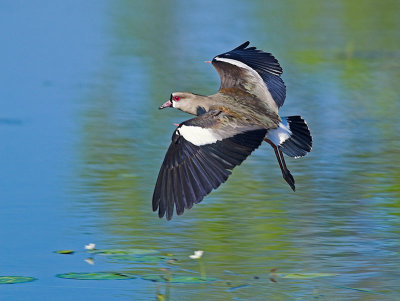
(184, 101)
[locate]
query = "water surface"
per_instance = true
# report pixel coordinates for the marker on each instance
(81, 143)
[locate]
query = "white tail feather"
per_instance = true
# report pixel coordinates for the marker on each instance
(280, 134)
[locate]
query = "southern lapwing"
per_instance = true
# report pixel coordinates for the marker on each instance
(229, 126)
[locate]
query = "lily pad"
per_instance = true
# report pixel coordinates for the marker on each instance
(65, 252)
(133, 258)
(121, 251)
(178, 279)
(306, 275)
(97, 276)
(15, 279)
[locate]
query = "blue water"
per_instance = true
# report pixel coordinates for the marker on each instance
(81, 143)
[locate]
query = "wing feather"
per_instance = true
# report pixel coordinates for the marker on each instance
(254, 71)
(189, 172)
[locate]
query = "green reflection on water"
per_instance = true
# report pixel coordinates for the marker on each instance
(341, 63)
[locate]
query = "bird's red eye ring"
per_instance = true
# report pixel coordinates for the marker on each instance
(177, 98)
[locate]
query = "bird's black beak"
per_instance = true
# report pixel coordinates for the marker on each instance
(165, 105)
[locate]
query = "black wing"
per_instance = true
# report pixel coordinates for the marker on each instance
(195, 165)
(265, 64)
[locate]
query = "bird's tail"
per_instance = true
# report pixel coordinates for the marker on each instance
(292, 136)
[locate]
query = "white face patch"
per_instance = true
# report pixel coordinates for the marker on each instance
(280, 134)
(198, 135)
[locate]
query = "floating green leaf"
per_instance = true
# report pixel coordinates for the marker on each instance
(15, 279)
(305, 275)
(65, 252)
(135, 258)
(121, 251)
(97, 276)
(178, 279)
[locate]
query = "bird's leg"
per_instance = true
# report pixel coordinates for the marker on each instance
(283, 159)
(287, 176)
(276, 154)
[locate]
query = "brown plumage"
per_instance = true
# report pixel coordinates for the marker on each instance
(229, 126)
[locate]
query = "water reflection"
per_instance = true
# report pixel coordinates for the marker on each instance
(341, 68)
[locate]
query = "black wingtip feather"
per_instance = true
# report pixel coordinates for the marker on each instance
(242, 46)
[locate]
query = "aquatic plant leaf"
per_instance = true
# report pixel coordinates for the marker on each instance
(121, 251)
(178, 279)
(15, 279)
(305, 275)
(65, 252)
(135, 258)
(97, 276)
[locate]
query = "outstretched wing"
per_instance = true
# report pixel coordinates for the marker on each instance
(201, 156)
(254, 71)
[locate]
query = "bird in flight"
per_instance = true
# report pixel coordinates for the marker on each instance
(228, 127)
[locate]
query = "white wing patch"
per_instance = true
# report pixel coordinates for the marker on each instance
(234, 62)
(259, 84)
(198, 135)
(280, 134)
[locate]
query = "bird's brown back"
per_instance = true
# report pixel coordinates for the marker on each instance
(245, 106)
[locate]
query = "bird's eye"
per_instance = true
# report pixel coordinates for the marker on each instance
(177, 98)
